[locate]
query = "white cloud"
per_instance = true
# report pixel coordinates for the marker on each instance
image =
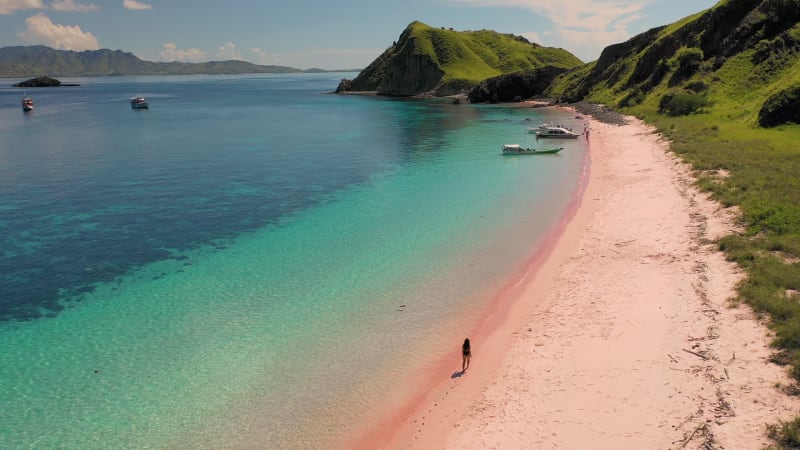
(584, 27)
(262, 57)
(171, 52)
(41, 30)
(9, 6)
(227, 51)
(136, 5)
(70, 5)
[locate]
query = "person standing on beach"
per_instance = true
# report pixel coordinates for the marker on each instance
(466, 355)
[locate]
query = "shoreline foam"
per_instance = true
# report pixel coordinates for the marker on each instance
(623, 338)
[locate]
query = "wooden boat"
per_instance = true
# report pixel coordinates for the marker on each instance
(516, 149)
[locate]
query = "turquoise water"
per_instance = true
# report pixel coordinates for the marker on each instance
(251, 262)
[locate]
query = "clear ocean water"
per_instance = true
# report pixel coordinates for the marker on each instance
(251, 262)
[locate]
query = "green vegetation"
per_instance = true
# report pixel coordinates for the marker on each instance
(786, 435)
(477, 55)
(711, 84)
(427, 59)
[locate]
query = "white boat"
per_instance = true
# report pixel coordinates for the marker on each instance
(27, 104)
(139, 102)
(558, 132)
(543, 126)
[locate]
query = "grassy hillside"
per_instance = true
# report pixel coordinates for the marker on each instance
(478, 55)
(425, 59)
(705, 83)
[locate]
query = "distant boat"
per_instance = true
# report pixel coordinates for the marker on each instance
(139, 102)
(516, 149)
(553, 131)
(27, 104)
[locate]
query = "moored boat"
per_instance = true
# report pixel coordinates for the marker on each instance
(27, 104)
(139, 102)
(552, 131)
(516, 149)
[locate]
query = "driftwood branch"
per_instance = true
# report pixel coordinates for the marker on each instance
(691, 436)
(704, 357)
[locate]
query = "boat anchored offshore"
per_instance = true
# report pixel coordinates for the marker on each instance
(27, 104)
(139, 102)
(516, 149)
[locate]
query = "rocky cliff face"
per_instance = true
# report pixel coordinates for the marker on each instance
(410, 73)
(399, 71)
(515, 86)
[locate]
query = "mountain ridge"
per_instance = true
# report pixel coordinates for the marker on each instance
(37, 60)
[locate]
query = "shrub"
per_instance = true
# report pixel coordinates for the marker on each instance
(782, 107)
(633, 98)
(786, 434)
(697, 86)
(681, 103)
(687, 62)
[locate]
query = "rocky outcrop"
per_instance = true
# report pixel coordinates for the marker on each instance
(519, 85)
(399, 71)
(410, 73)
(38, 82)
(781, 108)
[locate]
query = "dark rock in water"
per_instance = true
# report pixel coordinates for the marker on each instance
(41, 82)
(344, 86)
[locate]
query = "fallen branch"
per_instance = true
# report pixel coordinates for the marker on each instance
(691, 436)
(704, 357)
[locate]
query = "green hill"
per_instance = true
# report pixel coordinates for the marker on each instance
(442, 61)
(37, 60)
(728, 60)
(723, 86)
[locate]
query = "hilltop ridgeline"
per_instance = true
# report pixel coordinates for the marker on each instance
(30, 61)
(743, 49)
(440, 62)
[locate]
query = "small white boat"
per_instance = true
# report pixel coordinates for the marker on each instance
(139, 102)
(552, 131)
(27, 104)
(543, 126)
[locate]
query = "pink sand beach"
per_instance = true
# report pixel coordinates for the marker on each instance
(623, 334)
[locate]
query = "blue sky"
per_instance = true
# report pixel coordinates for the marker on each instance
(343, 34)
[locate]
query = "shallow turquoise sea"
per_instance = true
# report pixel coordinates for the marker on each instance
(251, 262)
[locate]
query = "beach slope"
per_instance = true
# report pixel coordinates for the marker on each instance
(628, 338)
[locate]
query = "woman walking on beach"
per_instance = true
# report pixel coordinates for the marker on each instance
(466, 354)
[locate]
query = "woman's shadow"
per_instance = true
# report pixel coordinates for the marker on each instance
(458, 374)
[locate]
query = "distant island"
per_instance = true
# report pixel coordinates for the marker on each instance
(31, 61)
(41, 82)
